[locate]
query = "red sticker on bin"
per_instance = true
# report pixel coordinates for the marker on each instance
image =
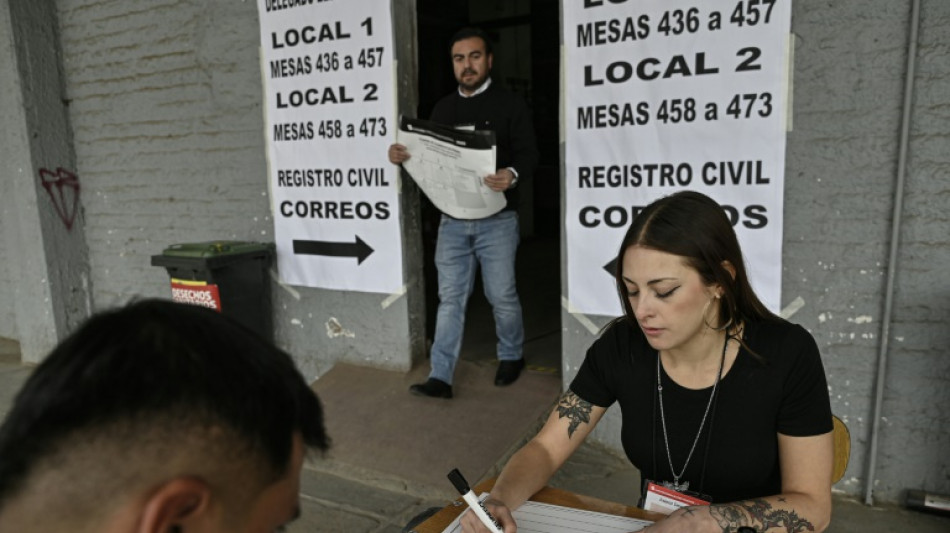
(196, 293)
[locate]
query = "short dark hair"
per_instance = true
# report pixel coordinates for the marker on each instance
(469, 32)
(160, 364)
(693, 226)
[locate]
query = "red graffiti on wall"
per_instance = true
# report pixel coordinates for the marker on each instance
(66, 196)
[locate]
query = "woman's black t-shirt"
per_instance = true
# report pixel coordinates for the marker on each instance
(782, 391)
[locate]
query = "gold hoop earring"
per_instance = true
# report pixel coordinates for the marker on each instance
(723, 327)
(706, 308)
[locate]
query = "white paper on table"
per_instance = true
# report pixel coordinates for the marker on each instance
(536, 517)
(450, 166)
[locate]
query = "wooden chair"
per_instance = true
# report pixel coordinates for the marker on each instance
(842, 450)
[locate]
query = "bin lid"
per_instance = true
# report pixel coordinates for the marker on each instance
(212, 249)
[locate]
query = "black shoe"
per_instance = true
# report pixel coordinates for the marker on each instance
(433, 388)
(508, 372)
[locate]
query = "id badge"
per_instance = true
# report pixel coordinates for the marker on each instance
(665, 500)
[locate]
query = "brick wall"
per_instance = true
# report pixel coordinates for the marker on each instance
(165, 100)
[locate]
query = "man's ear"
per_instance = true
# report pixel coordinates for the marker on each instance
(491, 58)
(174, 504)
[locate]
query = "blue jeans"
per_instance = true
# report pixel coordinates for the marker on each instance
(461, 246)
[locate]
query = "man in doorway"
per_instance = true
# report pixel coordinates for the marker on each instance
(464, 245)
(158, 418)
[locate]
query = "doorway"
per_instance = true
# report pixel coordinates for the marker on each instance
(526, 45)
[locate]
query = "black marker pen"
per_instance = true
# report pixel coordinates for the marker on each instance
(462, 486)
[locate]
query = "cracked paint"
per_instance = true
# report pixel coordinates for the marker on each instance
(335, 329)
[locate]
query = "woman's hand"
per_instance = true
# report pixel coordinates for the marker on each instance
(501, 513)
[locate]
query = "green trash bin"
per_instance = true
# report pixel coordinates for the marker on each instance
(228, 276)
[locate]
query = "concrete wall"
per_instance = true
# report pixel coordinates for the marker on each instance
(841, 174)
(7, 308)
(165, 99)
(915, 437)
(7, 315)
(45, 253)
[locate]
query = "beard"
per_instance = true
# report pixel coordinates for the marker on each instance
(475, 83)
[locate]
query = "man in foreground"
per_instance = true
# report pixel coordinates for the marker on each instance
(158, 417)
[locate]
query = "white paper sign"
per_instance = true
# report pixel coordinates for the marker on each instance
(666, 95)
(330, 108)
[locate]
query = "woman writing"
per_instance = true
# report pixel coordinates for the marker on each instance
(719, 398)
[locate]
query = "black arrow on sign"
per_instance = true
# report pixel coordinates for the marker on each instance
(611, 267)
(359, 249)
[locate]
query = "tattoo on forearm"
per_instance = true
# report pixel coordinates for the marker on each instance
(575, 409)
(760, 515)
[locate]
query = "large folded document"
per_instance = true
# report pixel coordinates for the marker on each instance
(450, 165)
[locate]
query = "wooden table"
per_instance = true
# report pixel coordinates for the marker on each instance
(439, 521)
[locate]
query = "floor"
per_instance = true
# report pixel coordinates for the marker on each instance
(383, 428)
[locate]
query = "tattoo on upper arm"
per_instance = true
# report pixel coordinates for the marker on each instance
(575, 409)
(759, 514)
